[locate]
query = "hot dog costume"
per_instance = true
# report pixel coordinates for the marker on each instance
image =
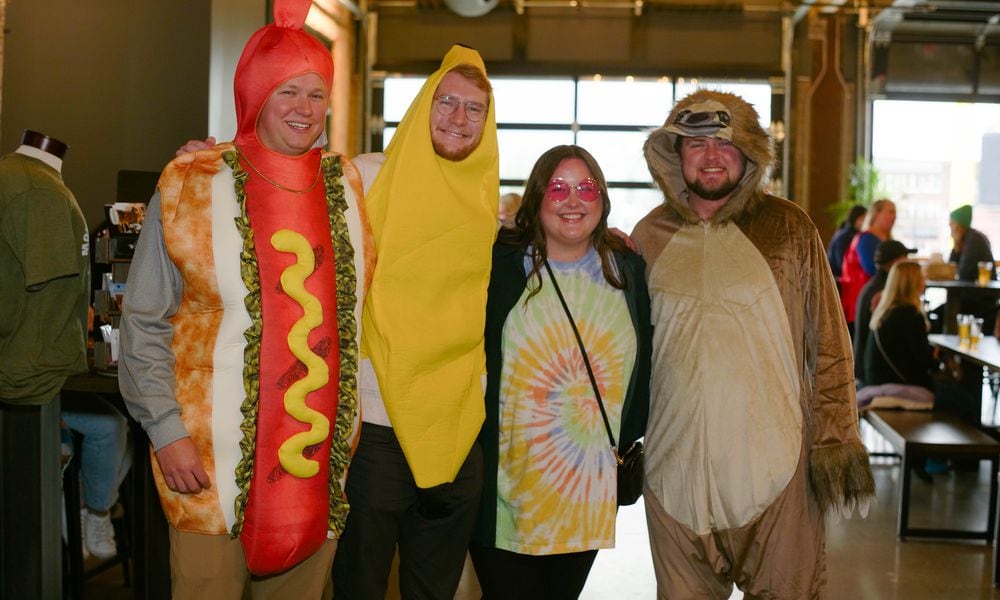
(752, 428)
(242, 317)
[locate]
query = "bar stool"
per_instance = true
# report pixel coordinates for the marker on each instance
(74, 575)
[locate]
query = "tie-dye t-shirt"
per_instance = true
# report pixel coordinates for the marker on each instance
(556, 483)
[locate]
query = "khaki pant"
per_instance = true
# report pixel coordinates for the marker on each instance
(213, 566)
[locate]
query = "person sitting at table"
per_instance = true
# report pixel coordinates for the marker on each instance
(105, 459)
(899, 363)
(859, 261)
(971, 246)
(887, 254)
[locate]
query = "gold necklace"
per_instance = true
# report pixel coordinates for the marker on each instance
(275, 183)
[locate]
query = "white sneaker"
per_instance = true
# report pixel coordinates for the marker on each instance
(98, 534)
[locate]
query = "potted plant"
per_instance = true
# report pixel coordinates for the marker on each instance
(863, 188)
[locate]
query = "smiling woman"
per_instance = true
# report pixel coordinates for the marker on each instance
(549, 497)
(570, 212)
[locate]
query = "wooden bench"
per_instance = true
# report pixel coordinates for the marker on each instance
(917, 435)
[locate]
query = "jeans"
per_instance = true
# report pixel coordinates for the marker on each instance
(106, 457)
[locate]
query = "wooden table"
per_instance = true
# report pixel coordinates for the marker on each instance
(150, 544)
(955, 291)
(985, 354)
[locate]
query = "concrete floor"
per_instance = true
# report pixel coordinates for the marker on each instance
(865, 560)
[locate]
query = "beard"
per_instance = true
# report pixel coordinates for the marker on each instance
(454, 155)
(712, 193)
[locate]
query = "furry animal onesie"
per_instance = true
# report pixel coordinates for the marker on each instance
(752, 427)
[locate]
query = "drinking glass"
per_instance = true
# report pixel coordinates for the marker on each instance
(964, 327)
(975, 332)
(985, 274)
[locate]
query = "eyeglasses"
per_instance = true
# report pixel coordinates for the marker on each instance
(447, 105)
(588, 190)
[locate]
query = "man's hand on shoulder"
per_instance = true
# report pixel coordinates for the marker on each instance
(196, 145)
(182, 468)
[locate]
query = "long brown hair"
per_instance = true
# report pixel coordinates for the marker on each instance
(529, 231)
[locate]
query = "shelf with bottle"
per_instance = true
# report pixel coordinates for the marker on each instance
(114, 251)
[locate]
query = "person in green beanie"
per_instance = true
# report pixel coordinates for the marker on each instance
(970, 245)
(970, 248)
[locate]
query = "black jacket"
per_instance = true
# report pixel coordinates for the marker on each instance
(862, 316)
(975, 248)
(903, 334)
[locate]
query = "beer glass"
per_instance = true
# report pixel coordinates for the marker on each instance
(964, 329)
(985, 275)
(975, 332)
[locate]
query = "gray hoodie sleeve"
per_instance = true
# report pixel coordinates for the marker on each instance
(145, 361)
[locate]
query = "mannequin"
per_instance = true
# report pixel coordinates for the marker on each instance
(47, 149)
(45, 276)
(47, 262)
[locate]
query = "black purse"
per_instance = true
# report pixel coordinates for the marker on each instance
(630, 463)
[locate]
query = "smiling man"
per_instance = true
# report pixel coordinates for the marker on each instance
(240, 333)
(752, 429)
(417, 474)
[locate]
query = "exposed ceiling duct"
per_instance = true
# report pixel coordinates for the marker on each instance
(937, 50)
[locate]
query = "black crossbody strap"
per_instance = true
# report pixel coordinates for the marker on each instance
(586, 362)
(885, 355)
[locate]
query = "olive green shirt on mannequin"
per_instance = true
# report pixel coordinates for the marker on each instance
(44, 281)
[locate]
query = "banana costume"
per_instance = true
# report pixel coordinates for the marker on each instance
(433, 221)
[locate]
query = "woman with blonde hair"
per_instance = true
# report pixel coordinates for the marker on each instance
(859, 261)
(903, 288)
(899, 362)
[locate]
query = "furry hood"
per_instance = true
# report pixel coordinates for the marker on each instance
(711, 114)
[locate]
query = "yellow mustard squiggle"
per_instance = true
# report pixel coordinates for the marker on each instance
(290, 453)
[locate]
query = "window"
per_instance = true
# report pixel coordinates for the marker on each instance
(931, 158)
(610, 117)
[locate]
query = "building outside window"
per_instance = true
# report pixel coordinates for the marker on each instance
(933, 157)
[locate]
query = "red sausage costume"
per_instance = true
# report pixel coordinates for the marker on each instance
(266, 256)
